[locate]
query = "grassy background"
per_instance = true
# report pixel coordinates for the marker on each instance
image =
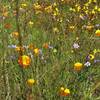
(58, 70)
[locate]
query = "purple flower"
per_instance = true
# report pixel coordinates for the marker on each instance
(96, 61)
(87, 58)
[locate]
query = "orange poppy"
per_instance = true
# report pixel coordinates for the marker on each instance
(24, 61)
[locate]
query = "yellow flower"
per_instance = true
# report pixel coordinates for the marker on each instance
(94, 51)
(97, 32)
(78, 66)
(64, 91)
(5, 14)
(67, 91)
(62, 88)
(23, 5)
(78, 8)
(31, 46)
(55, 29)
(15, 34)
(77, 38)
(49, 9)
(72, 27)
(31, 23)
(86, 11)
(30, 82)
(19, 49)
(89, 27)
(98, 9)
(91, 56)
(36, 51)
(72, 9)
(24, 61)
(56, 12)
(37, 6)
(93, 12)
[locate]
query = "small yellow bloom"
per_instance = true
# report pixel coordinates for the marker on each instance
(91, 56)
(72, 9)
(36, 51)
(5, 14)
(77, 38)
(86, 11)
(31, 23)
(93, 12)
(67, 91)
(78, 66)
(98, 9)
(23, 5)
(18, 49)
(49, 9)
(31, 46)
(55, 29)
(72, 27)
(78, 8)
(15, 34)
(37, 6)
(64, 91)
(62, 88)
(94, 51)
(89, 27)
(97, 32)
(30, 82)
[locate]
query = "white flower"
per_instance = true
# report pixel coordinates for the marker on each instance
(12, 46)
(76, 45)
(87, 64)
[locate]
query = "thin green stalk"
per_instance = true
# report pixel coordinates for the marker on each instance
(20, 45)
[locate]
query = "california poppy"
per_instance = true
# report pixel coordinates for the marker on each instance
(24, 61)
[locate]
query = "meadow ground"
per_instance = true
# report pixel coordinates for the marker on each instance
(50, 50)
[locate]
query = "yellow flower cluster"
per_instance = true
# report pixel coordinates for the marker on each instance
(64, 91)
